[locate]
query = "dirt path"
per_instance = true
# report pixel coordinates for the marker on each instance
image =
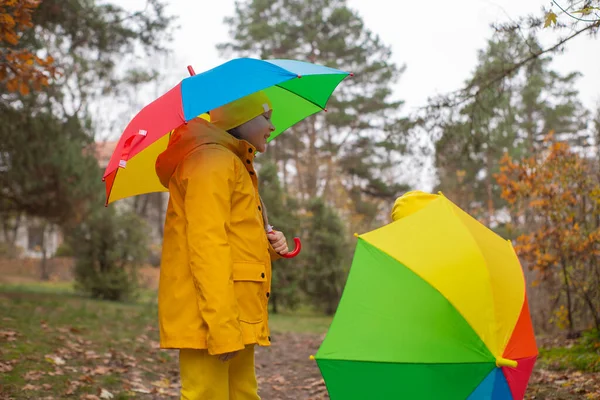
(285, 371)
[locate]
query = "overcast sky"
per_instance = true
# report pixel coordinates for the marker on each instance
(437, 40)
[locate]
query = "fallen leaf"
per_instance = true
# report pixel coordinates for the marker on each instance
(47, 386)
(86, 378)
(10, 336)
(105, 394)
(33, 375)
(5, 367)
(55, 359)
(101, 370)
(89, 397)
(29, 386)
(163, 383)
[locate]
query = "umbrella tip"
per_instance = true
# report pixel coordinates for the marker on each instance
(325, 109)
(355, 234)
(191, 70)
(299, 76)
(351, 74)
(311, 357)
(504, 362)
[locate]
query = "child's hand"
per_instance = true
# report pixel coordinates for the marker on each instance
(279, 242)
(227, 356)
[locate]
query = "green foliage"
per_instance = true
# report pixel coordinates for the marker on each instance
(109, 246)
(326, 264)
(44, 170)
(582, 355)
(511, 115)
(64, 250)
(47, 161)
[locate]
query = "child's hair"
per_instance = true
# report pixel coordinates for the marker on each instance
(234, 132)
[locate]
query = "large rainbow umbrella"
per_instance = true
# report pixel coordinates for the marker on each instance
(434, 308)
(296, 90)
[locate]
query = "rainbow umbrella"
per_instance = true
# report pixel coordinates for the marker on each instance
(434, 308)
(296, 90)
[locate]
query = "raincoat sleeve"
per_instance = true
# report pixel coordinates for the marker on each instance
(210, 176)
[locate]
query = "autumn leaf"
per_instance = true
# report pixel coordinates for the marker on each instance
(33, 375)
(31, 387)
(51, 358)
(550, 19)
(5, 367)
(163, 383)
(586, 10)
(105, 394)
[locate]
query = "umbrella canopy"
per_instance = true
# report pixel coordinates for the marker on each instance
(434, 308)
(296, 90)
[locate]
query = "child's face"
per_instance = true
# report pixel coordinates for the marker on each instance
(257, 131)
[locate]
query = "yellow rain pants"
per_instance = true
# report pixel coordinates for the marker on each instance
(205, 377)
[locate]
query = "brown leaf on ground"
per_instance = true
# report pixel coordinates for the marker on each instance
(5, 367)
(101, 370)
(33, 375)
(9, 336)
(29, 386)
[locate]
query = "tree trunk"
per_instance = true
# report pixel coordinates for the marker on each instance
(568, 293)
(489, 191)
(299, 173)
(593, 310)
(312, 165)
(44, 273)
(275, 309)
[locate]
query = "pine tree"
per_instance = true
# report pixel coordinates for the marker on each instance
(510, 116)
(362, 119)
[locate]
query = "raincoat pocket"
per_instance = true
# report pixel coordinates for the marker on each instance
(248, 280)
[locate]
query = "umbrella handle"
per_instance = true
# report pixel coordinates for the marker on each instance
(296, 251)
(292, 253)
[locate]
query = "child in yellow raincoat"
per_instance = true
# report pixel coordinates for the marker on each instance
(215, 277)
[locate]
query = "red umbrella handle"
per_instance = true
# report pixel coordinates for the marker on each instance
(292, 253)
(296, 251)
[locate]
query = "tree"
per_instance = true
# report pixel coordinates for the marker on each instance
(20, 67)
(508, 116)
(108, 247)
(281, 213)
(47, 165)
(362, 117)
(563, 241)
(576, 18)
(326, 265)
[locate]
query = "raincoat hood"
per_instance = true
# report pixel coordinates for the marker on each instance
(188, 137)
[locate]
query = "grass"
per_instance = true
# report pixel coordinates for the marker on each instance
(582, 355)
(57, 343)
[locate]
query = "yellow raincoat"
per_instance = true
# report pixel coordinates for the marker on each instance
(215, 277)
